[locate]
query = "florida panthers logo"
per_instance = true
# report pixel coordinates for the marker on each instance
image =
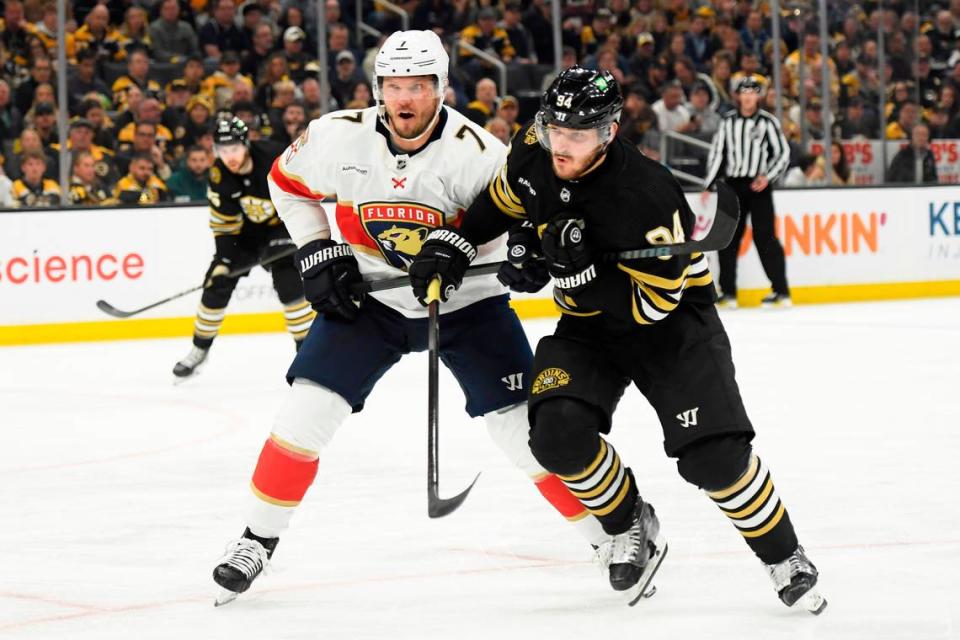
(399, 228)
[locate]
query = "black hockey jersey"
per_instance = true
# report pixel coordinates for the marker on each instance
(628, 202)
(240, 201)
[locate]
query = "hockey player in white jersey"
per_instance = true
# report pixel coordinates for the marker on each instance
(399, 172)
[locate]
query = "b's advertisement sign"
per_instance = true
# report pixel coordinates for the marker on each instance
(865, 158)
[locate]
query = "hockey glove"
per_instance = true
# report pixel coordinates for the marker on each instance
(330, 272)
(568, 258)
(525, 269)
(445, 253)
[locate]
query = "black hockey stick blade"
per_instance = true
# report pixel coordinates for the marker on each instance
(111, 310)
(438, 507)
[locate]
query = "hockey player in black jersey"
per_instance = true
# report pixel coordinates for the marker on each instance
(650, 321)
(246, 229)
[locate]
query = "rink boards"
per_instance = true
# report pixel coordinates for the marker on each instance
(841, 245)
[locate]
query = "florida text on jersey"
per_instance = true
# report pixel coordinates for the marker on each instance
(388, 201)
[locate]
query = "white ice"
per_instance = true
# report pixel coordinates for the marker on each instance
(120, 491)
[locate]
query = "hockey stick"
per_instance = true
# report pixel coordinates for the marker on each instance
(437, 507)
(718, 237)
(109, 309)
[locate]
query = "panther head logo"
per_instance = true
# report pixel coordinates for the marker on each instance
(404, 241)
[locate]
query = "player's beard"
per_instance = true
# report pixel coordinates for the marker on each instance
(571, 168)
(411, 128)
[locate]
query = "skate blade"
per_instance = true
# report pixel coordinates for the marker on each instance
(813, 602)
(643, 588)
(225, 596)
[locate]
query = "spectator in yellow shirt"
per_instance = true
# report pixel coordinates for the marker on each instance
(141, 185)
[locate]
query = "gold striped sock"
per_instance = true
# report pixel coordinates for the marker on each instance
(751, 503)
(603, 485)
(207, 324)
(298, 316)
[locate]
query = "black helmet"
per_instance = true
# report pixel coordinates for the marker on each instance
(581, 99)
(230, 130)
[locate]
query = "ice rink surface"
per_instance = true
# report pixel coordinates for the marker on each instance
(120, 491)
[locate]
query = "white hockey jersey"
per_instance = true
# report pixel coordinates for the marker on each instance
(386, 204)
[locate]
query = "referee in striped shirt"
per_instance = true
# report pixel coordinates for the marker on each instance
(750, 152)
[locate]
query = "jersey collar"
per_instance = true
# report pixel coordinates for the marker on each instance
(437, 132)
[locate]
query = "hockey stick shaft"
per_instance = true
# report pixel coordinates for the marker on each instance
(109, 309)
(437, 507)
(719, 236)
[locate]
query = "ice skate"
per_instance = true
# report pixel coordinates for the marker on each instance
(634, 556)
(795, 580)
(243, 560)
(727, 302)
(189, 365)
(776, 301)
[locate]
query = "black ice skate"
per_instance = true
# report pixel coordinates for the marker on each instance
(795, 580)
(242, 562)
(188, 366)
(776, 301)
(635, 555)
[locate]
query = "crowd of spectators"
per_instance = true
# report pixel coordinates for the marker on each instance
(147, 79)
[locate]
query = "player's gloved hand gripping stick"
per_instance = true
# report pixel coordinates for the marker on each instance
(721, 232)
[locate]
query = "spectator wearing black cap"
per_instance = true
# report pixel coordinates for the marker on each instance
(857, 122)
(103, 133)
(193, 74)
(176, 97)
(221, 33)
(485, 35)
(346, 75)
(218, 86)
(80, 140)
(43, 118)
(594, 35)
(84, 80)
(517, 33)
(173, 39)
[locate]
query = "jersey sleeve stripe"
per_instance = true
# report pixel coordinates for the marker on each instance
(502, 201)
(292, 183)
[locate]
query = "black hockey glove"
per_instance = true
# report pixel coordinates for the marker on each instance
(445, 253)
(329, 272)
(568, 258)
(525, 269)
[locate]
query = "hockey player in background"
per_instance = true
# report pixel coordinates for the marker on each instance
(651, 322)
(246, 230)
(399, 171)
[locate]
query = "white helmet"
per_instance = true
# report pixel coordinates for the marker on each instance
(410, 53)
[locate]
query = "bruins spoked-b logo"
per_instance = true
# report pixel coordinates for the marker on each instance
(399, 228)
(551, 378)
